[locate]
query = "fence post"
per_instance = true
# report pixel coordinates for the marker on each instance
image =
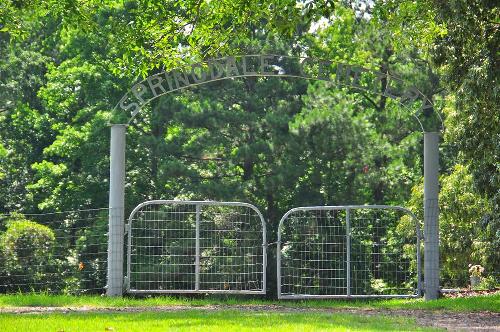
(431, 215)
(116, 210)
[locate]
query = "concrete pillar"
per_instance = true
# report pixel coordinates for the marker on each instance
(431, 215)
(116, 211)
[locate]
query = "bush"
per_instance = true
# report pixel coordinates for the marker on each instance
(91, 255)
(488, 283)
(467, 229)
(26, 256)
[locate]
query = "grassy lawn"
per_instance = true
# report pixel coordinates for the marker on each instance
(226, 320)
(479, 303)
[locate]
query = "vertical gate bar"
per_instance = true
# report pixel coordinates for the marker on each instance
(264, 258)
(348, 239)
(129, 253)
(419, 261)
(278, 257)
(197, 254)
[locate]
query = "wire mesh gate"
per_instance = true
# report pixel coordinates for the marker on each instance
(348, 251)
(196, 246)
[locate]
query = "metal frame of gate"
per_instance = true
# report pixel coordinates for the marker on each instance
(198, 211)
(347, 235)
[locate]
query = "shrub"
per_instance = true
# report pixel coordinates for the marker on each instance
(26, 255)
(91, 256)
(488, 283)
(467, 228)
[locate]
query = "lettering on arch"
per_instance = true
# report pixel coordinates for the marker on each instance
(263, 65)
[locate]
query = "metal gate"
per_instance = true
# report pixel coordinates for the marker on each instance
(348, 251)
(196, 247)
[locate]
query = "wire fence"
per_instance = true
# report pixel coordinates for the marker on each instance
(66, 252)
(62, 252)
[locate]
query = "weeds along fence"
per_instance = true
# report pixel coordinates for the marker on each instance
(62, 252)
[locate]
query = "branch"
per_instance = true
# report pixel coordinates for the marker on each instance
(228, 176)
(201, 158)
(371, 101)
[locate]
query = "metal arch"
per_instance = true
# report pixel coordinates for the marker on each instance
(197, 204)
(174, 201)
(419, 289)
(256, 74)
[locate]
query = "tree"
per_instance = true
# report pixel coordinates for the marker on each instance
(150, 34)
(461, 39)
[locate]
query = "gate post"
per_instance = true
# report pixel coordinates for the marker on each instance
(116, 220)
(431, 215)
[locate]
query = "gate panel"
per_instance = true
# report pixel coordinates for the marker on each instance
(231, 249)
(312, 253)
(196, 246)
(348, 251)
(161, 247)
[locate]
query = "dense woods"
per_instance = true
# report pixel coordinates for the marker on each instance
(274, 142)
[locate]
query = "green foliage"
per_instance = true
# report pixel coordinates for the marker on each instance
(90, 251)
(3, 157)
(410, 22)
(474, 130)
(26, 250)
(468, 233)
(489, 282)
(461, 39)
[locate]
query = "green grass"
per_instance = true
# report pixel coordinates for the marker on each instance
(479, 303)
(226, 319)
(190, 320)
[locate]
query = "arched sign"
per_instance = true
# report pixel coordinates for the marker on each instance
(230, 67)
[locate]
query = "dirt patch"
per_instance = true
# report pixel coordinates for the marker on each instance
(452, 321)
(469, 293)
